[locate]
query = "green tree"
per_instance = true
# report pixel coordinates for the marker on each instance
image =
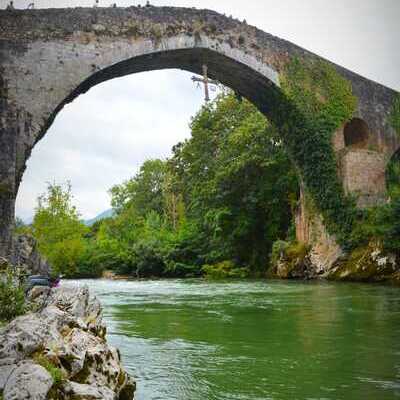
(237, 181)
(58, 229)
(144, 191)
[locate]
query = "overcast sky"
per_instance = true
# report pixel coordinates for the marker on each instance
(103, 136)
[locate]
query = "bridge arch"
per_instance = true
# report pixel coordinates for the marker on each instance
(49, 57)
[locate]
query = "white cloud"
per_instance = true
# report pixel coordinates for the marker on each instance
(102, 137)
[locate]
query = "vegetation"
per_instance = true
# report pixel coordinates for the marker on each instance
(323, 102)
(395, 115)
(55, 372)
(12, 298)
(223, 204)
(58, 230)
(219, 202)
(224, 270)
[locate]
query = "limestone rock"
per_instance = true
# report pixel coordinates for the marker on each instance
(28, 381)
(366, 264)
(80, 391)
(27, 257)
(67, 336)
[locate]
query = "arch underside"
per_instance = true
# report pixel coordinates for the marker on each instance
(244, 80)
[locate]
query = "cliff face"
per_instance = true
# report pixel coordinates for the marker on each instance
(59, 351)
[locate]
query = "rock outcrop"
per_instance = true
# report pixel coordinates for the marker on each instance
(27, 257)
(366, 264)
(60, 351)
(369, 263)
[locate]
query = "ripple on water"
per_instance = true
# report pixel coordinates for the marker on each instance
(253, 340)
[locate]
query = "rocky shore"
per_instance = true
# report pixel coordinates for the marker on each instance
(370, 263)
(59, 351)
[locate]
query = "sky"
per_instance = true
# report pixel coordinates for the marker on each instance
(103, 136)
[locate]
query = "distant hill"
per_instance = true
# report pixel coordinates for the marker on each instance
(105, 214)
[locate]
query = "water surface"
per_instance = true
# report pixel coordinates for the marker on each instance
(255, 340)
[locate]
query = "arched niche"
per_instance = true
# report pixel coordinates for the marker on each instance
(356, 134)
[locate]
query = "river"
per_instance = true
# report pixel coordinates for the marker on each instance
(255, 340)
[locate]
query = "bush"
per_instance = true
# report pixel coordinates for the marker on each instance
(12, 297)
(278, 250)
(148, 260)
(224, 270)
(292, 253)
(380, 224)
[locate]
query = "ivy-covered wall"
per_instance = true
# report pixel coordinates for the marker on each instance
(394, 117)
(319, 102)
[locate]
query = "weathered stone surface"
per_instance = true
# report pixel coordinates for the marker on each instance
(27, 257)
(69, 334)
(363, 175)
(310, 230)
(28, 381)
(79, 391)
(366, 264)
(54, 55)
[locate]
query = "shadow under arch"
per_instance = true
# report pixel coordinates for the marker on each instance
(247, 82)
(356, 133)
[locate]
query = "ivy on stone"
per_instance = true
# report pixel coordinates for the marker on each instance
(394, 116)
(319, 101)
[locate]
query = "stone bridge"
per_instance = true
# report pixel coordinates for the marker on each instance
(49, 57)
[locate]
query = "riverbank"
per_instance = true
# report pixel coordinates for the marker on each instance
(59, 351)
(369, 263)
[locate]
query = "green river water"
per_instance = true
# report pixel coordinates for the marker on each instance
(253, 340)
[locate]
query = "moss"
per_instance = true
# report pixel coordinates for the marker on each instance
(297, 251)
(289, 260)
(224, 270)
(394, 117)
(362, 266)
(5, 189)
(156, 32)
(56, 373)
(132, 30)
(294, 255)
(83, 374)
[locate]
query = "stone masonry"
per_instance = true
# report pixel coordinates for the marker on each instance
(49, 57)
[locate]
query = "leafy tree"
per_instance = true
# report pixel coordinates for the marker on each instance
(144, 191)
(58, 229)
(237, 181)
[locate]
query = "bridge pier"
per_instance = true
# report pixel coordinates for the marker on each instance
(361, 169)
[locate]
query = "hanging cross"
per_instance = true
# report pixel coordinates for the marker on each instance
(206, 81)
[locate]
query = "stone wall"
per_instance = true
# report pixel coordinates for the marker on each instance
(363, 175)
(49, 57)
(310, 229)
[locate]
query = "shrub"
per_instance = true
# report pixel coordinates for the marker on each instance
(292, 253)
(12, 297)
(394, 117)
(224, 270)
(278, 250)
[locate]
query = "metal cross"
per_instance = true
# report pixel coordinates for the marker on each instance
(206, 81)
